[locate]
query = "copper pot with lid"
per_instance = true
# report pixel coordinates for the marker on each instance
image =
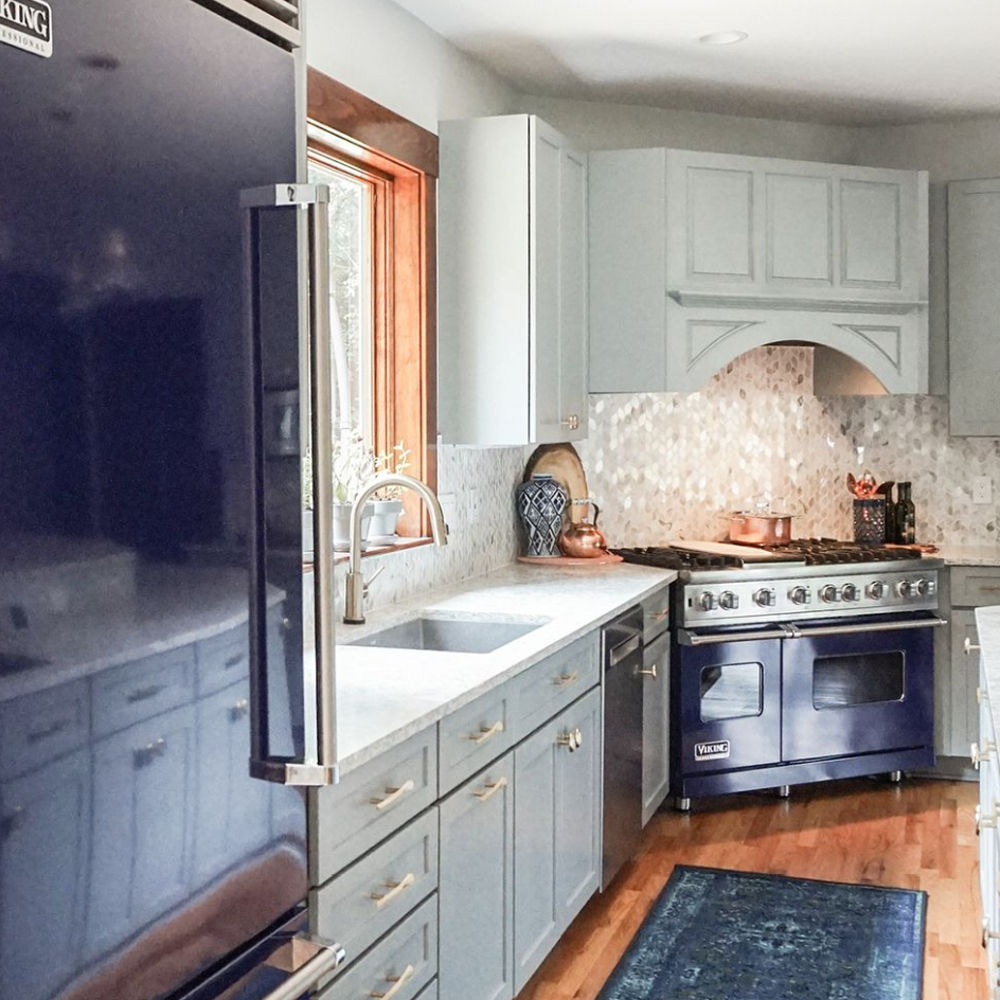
(582, 539)
(760, 526)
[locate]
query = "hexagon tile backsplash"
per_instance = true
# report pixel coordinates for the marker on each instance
(669, 465)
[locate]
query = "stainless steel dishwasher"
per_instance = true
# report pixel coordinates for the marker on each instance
(621, 647)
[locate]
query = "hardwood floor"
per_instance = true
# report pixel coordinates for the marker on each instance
(918, 835)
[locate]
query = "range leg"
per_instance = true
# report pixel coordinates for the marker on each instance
(784, 791)
(682, 804)
(895, 777)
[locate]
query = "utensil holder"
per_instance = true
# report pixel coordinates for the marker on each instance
(869, 521)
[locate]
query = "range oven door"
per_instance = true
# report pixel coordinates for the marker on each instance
(728, 701)
(858, 687)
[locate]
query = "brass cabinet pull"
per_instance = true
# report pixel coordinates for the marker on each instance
(233, 661)
(393, 795)
(990, 589)
(398, 982)
(564, 680)
(983, 823)
(43, 734)
(572, 422)
(969, 646)
(572, 740)
(651, 672)
(981, 695)
(240, 709)
(395, 889)
(980, 753)
(144, 694)
(491, 790)
(658, 616)
(486, 733)
(144, 756)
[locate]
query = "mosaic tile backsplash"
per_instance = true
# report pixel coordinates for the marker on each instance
(665, 465)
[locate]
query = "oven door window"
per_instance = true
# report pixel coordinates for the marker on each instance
(731, 691)
(858, 679)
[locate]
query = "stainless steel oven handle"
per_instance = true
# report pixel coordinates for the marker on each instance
(809, 632)
(321, 959)
(688, 638)
(624, 650)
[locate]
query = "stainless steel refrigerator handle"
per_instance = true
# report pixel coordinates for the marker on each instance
(875, 626)
(624, 649)
(326, 958)
(318, 768)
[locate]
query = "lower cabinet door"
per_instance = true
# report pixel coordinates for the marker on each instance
(557, 829)
(964, 681)
(655, 726)
(476, 890)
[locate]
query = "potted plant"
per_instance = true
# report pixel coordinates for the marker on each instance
(353, 466)
(386, 501)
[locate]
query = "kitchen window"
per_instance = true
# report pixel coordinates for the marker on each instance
(382, 172)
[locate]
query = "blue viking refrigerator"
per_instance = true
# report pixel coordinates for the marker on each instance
(162, 705)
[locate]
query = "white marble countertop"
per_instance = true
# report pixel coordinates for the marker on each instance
(970, 555)
(988, 629)
(385, 696)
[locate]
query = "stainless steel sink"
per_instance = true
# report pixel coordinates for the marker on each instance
(449, 635)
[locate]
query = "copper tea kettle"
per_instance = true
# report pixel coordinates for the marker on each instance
(581, 539)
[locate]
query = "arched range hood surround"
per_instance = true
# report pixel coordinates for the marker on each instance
(697, 258)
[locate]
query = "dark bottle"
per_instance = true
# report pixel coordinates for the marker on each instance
(906, 516)
(891, 531)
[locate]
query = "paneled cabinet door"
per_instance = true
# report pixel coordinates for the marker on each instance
(234, 810)
(655, 726)
(44, 817)
(557, 825)
(964, 728)
(144, 790)
(973, 306)
(476, 890)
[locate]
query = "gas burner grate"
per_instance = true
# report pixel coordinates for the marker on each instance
(831, 551)
(665, 557)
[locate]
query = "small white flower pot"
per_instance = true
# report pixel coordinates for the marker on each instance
(342, 525)
(383, 527)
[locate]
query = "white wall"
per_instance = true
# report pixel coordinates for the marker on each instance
(385, 53)
(629, 126)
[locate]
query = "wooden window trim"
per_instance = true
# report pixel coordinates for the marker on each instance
(354, 128)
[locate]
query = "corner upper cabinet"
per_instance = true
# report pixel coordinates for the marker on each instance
(512, 286)
(973, 307)
(698, 257)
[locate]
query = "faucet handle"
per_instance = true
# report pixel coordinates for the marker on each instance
(366, 585)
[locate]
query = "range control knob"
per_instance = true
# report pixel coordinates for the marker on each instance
(849, 592)
(765, 598)
(904, 588)
(829, 594)
(706, 601)
(875, 590)
(922, 588)
(800, 595)
(728, 601)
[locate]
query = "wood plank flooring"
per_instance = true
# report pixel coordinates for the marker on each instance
(918, 835)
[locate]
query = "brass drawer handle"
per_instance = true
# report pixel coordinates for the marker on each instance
(393, 795)
(564, 680)
(651, 672)
(572, 422)
(491, 790)
(658, 616)
(968, 646)
(398, 982)
(486, 733)
(395, 889)
(144, 694)
(572, 740)
(234, 661)
(990, 589)
(240, 710)
(981, 753)
(145, 756)
(43, 734)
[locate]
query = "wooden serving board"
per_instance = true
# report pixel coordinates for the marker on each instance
(748, 553)
(607, 559)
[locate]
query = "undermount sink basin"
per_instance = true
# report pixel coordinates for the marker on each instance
(449, 635)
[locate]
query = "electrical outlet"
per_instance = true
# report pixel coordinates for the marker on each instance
(982, 489)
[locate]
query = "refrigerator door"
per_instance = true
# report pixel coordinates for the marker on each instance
(136, 852)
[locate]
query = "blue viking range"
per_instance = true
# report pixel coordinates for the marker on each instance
(150, 276)
(809, 661)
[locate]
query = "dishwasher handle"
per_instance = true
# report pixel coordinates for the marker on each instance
(624, 649)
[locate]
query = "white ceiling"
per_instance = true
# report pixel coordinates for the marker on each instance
(851, 62)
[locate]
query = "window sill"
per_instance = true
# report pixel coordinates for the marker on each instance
(379, 550)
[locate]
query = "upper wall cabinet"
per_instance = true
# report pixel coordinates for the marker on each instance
(512, 251)
(974, 307)
(698, 257)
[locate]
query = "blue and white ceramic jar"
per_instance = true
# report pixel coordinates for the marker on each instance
(541, 502)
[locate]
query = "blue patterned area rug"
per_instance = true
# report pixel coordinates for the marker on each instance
(724, 935)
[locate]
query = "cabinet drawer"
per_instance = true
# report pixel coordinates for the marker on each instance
(398, 967)
(223, 660)
(40, 727)
(544, 689)
(655, 614)
(975, 586)
(473, 736)
(141, 689)
(358, 906)
(372, 802)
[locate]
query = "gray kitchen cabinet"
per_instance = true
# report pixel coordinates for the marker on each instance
(699, 257)
(964, 728)
(476, 892)
(144, 781)
(655, 726)
(512, 294)
(557, 828)
(233, 817)
(43, 815)
(973, 307)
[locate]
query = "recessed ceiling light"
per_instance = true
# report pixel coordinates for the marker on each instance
(724, 37)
